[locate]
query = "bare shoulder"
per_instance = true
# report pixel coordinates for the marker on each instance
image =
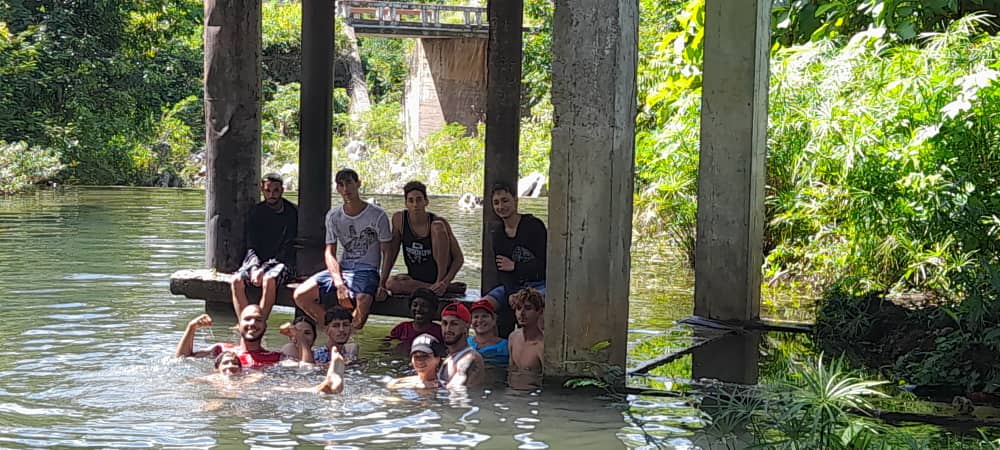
(516, 336)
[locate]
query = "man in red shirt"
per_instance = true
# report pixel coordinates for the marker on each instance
(252, 327)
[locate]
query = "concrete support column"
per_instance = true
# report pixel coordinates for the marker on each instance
(731, 359)
(503, 119)
(316, 125)
(728, 254)
(594, 47)
(232, 127)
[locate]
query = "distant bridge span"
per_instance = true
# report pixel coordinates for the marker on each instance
(415, 20)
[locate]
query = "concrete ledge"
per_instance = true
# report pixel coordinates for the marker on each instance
(213, 288)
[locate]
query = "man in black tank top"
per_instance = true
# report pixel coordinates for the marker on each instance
(430, 251)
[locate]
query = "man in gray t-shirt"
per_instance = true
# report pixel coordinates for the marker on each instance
(358, 277)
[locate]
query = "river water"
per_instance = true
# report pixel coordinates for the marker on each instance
(89, 329)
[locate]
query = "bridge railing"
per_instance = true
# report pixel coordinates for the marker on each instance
(424, 15)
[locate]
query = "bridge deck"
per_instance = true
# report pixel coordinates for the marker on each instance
(413, 19)
(213, 288)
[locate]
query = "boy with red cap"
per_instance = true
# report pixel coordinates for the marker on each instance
(487, 342)
(463, 366)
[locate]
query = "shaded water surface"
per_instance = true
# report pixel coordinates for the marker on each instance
(89, 329)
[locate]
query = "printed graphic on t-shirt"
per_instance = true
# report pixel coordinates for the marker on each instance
(522, 255)
(357, 245)
(416, 253)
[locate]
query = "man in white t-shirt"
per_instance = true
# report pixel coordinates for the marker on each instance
(358, 277)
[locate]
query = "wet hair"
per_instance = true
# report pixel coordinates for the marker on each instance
(415, 186)
(338, 313)
(345, 175)
(528, 295)
(428, 295)
(223, 355)
(308, 321)
(273, 178)
(440, 350)
(501, 186)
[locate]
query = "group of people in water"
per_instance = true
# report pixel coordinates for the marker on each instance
(362, 245)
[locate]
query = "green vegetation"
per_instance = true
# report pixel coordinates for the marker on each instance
(817, 405)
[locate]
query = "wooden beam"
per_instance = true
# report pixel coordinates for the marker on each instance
(594, 46)
(232, 38)
(503, 118)
(316, 129)
(731, 174)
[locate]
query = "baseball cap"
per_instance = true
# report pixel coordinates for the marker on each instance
(483, 304)
(458, 310)
(425, 343)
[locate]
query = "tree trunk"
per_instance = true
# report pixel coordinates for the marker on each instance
(357, 87)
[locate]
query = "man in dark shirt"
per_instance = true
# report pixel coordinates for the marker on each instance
(272, 226)
(519, 247)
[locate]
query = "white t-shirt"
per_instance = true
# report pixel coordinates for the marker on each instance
(358, 236)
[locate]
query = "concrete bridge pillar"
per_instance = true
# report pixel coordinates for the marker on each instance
(232, 126)
(316, 125)
(447, 84)
(503, 119)
(728, 254)
(595, 46)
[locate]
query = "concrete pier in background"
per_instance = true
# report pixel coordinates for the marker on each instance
(729, 250)
(591, 181)
(232, 37)
(447, 84)
(316, 136)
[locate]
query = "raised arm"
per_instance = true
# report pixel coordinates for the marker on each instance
(334, 382)
(185, 347)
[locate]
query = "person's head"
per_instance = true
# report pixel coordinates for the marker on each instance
(423, 305)
(252, 325)
(305, 329)
(504, 201)
(348, 184)
(228, 363)
(484, 318)
(338, 325)
(425, 354)
(455, 320)
(272, 186)
(415, 194)
(528, 305)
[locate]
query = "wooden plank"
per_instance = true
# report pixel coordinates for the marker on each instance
(213, 287)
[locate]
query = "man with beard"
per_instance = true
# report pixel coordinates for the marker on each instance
(464, 365)
(271, 228)
(252, 327)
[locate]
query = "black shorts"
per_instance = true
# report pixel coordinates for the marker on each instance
(272, 268)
